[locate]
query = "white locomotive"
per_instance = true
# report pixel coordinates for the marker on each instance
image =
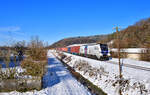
(99, 51)
(92, 50)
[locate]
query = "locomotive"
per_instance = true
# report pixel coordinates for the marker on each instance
(93, 50)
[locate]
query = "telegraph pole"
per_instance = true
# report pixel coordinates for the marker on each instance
(118, 46)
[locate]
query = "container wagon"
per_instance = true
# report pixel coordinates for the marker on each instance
(75, 49)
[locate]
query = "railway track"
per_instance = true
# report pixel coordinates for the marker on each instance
(130, 66)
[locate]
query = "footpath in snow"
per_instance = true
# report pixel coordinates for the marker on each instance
(57, 81)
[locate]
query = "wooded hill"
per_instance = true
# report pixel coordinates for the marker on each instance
(135, 36)
(78, 40)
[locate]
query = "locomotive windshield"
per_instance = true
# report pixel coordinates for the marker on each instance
(104, 47)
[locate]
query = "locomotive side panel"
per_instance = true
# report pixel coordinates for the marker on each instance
(82, 50)
(94, 50)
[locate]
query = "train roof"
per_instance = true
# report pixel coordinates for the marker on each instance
(83, 44)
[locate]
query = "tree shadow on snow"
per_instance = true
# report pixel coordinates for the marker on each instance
(55, 72)
(50, 78)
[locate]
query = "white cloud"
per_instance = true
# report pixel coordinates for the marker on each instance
(10, 34)
(12, 29)
(9, 29)
(4, 36)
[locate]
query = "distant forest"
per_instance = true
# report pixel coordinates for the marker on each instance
(135, 36)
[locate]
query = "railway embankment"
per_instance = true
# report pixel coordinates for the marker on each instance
(104, 75)
(95, 90)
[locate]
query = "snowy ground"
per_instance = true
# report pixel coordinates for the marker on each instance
(59, 81)
(133, 62)
(135, 81)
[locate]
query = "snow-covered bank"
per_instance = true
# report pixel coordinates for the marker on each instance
(133, 62)
(130, 50)
(105, 75)
(59, 81)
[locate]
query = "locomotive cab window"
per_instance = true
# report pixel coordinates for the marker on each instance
(104, 47)
(96, 48)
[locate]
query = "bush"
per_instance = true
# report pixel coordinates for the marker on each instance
(33, 68)
(36, 49)
(36, 58)
(115, 54)
(10, 73)
(145, 56)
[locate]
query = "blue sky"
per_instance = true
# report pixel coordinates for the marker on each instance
(53, 20)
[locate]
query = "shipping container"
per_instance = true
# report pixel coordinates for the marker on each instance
(75, 49)
(69, 49)
(64, 49)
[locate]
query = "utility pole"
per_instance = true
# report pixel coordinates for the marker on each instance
(118, 46)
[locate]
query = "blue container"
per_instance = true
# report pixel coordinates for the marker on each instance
(69, 49)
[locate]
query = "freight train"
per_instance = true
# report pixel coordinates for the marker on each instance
(94, 50)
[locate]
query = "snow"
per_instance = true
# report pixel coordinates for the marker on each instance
(139, 80)
(59, 81)
(133, 62)
(111, 42)
(17, 68)
(130, 50)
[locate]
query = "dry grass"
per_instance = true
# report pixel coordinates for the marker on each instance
(33, 68)
(115, 54)
(37, 58)
(36, 50)
(145, 56)
(9, 73)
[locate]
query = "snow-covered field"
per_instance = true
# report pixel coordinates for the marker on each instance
(59, 81)
(130, 50)
(105, 75)
(133, 62)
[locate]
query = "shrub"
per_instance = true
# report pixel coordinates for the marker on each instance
(36, 49)
(33, 68)
(9, 73)
(36, 58)
(145, 55)
(115, 54)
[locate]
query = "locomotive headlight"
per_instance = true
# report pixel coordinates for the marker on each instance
(101, 54)
(108, 54)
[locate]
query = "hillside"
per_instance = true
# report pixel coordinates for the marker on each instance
(137, 35)
(78, 40)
